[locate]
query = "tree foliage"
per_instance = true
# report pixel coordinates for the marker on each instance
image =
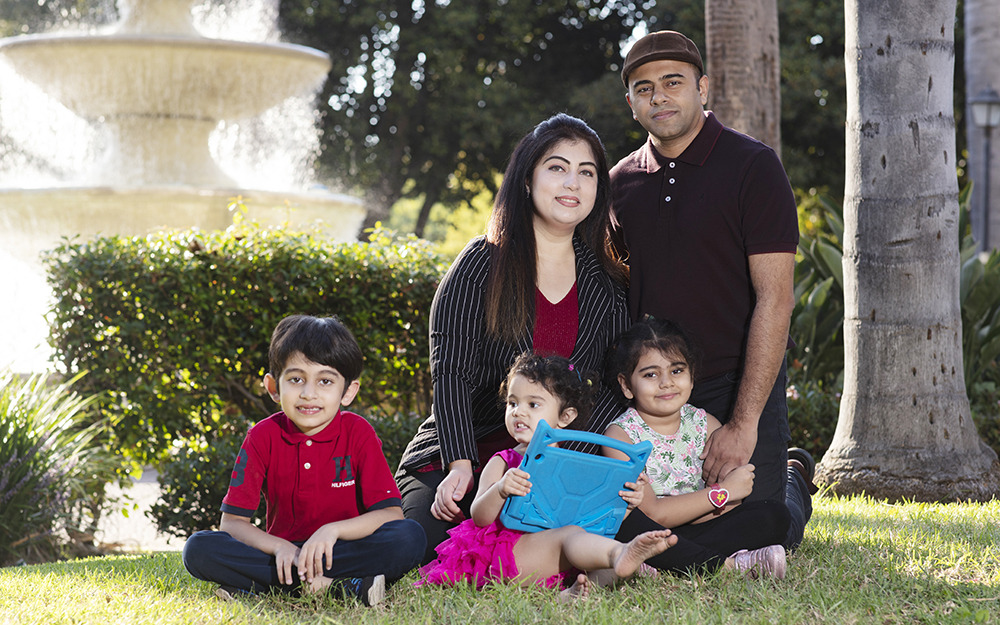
(427, 98)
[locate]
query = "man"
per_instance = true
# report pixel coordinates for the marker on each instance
(707, 220)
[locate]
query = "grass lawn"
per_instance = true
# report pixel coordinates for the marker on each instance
(862, 562)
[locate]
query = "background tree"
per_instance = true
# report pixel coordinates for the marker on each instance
(813, 93)
(905, 428)
(427, 98)
(741, 40)
(982, 50)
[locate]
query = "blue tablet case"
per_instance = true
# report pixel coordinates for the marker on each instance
(571, 487)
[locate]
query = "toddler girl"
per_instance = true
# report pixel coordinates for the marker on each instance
(482, 550)
(654, 367)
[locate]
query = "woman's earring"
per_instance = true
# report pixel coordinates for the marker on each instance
(527, 191)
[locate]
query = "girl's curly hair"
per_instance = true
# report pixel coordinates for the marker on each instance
(557, 375)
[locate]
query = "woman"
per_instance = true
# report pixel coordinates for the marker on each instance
(542, 278)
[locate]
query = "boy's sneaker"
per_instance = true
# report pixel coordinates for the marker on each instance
(767, 560)
(369, 590)
(227, 593)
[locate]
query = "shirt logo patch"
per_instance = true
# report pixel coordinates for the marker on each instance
(343, 473)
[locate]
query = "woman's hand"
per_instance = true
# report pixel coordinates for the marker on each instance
(739, 482)
(514, 483)
(452, 490)
(633, 494)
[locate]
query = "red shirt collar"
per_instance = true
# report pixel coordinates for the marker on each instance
(695, 154)
(293, 435)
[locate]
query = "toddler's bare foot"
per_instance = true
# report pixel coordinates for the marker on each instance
(630, 557)
(579, 590)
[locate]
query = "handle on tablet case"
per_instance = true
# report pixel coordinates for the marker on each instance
(637, 453)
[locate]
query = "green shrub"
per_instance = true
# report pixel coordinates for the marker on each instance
(813, 410)
(817, 324)
(175, 327)
(194, 481)
(48, 465)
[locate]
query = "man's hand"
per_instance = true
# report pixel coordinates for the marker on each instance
(726, 449)
(311, 554)
(452, 490)
(285, 558)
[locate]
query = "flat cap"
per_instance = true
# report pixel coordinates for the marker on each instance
(664, 45)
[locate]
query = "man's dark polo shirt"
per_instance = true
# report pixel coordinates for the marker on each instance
(689, 225)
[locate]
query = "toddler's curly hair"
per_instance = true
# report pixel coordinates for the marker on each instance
(567, 383)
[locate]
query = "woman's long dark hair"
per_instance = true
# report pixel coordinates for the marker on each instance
(510, 288)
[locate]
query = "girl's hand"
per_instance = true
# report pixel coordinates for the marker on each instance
(514, 483)
(739, 482)
(633, 496)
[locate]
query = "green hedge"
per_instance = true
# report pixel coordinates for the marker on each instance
(174, 327)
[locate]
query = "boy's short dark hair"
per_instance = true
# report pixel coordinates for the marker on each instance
(323, 340)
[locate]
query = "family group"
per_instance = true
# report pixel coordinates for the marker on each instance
(646, 302)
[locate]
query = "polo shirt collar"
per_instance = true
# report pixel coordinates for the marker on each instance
(695, 154)
(291, 434)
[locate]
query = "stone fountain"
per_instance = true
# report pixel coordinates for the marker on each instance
(152, 91)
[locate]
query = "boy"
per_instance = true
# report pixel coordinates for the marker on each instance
(334, 519)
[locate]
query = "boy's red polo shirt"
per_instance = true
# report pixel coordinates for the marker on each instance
(310, 481)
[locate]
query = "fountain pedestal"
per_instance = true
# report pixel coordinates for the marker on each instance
(154, 90)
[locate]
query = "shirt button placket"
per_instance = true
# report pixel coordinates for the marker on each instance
(671, 180)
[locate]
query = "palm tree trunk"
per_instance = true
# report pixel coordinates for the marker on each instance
(741, 39)
(905, 428)
(982, 50)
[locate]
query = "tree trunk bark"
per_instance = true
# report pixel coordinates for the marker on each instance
(905, 428)
(431, 196)
(379, 203)
(741, 39)
(982, 70)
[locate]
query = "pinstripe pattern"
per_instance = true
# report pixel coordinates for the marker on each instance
(467, 366)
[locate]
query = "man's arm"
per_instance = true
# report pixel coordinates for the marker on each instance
(731, 446)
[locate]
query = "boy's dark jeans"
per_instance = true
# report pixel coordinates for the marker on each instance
(392, 550)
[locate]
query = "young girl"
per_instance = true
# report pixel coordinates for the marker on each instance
(654, 367)
(482, 550)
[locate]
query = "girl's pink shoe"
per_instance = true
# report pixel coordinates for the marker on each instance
(765, 561)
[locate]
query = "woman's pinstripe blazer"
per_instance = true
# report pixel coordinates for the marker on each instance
(467, 366)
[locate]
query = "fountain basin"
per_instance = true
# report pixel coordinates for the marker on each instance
(34, 220)
(101, 77)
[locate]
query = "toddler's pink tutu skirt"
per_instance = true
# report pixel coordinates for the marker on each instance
(478, 555)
